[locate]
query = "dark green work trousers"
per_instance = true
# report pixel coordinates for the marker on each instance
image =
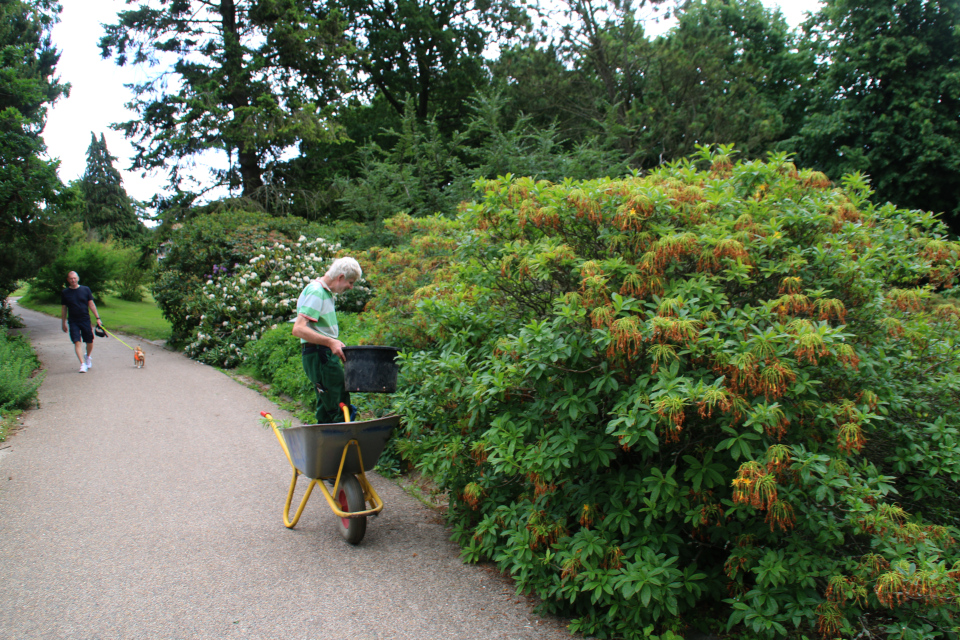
(325, 371)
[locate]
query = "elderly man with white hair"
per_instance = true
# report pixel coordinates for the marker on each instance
(321, 348)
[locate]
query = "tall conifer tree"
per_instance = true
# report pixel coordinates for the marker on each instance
(107, 207)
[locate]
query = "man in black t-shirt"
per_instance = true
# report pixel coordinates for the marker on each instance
(77, 301)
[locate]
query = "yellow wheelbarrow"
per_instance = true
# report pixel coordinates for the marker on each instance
(340, 453)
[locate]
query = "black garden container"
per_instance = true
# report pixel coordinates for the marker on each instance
(371, 369)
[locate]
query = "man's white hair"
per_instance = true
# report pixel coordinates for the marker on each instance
(348, 267)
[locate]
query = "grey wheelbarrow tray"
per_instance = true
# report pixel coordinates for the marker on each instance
(342, 452)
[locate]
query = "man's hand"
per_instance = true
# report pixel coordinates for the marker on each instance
(64, 326)
(337, 348)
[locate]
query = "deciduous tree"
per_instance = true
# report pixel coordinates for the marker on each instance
(429, 50)
(888, 99)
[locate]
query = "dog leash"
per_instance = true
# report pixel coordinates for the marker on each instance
(108, 332)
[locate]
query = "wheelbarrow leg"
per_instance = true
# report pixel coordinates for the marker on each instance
(290, 524)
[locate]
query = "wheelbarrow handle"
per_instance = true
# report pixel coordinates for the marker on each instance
(264, 414)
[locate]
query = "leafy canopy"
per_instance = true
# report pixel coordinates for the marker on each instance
(887, 99)
(246, 77)
(29, 229)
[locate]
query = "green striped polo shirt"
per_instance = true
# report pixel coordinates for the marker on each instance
(316, 302)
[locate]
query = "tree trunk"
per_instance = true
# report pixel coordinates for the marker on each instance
(237, 79)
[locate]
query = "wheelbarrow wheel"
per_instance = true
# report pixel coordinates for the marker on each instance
(350, 498)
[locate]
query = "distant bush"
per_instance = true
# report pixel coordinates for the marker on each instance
(95, 262)
(236, 306)
(133, 273)
(18, 362)
(276, 359)
(718, 389)
(193, 252)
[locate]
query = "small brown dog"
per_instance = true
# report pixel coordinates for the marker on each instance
(138, 357)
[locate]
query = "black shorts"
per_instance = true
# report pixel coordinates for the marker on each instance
(80, 330)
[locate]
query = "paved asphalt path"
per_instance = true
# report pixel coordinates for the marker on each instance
(147, 504)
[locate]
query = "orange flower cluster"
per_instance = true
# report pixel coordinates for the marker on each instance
(906, 299)
(847, 355)
(710, 512)
(472, 493)
(814, 179)
(790, 284)
(850, 436)
(541, 217)
(891, 520)
(671, 411)
(773, 381)
(940, 250)
(744, 374)
(544, 530)
(739, 559)
(746, 223)
(671, 248)
(640, 286)
(627, 219)
(684, 331)
(587, 514)
(780, 514)
(586, 206)
(733, 249)
(602, 316)
(831, 307)
(479, 452)
(947, 313)
(792, 304)
(571, 567)
(898, 586)
(721, 166)
(893, 327)
(779, 460)
(810, 347)
(714, 398)
(539, 486)
(829, 617)
(660, 353)
(626, 337)
(611, 559)
(754, 486)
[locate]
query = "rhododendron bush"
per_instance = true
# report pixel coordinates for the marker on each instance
(236, 306)
(721, 395)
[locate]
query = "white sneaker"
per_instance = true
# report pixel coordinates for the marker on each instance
(89, 362)
(83, 368)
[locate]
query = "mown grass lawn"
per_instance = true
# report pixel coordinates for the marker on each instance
(141, 319)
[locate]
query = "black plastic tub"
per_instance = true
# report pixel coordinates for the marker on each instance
(371, 369)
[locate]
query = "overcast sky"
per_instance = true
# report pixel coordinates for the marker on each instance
(98, 95)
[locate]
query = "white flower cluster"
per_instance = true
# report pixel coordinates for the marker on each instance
(238, 307)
